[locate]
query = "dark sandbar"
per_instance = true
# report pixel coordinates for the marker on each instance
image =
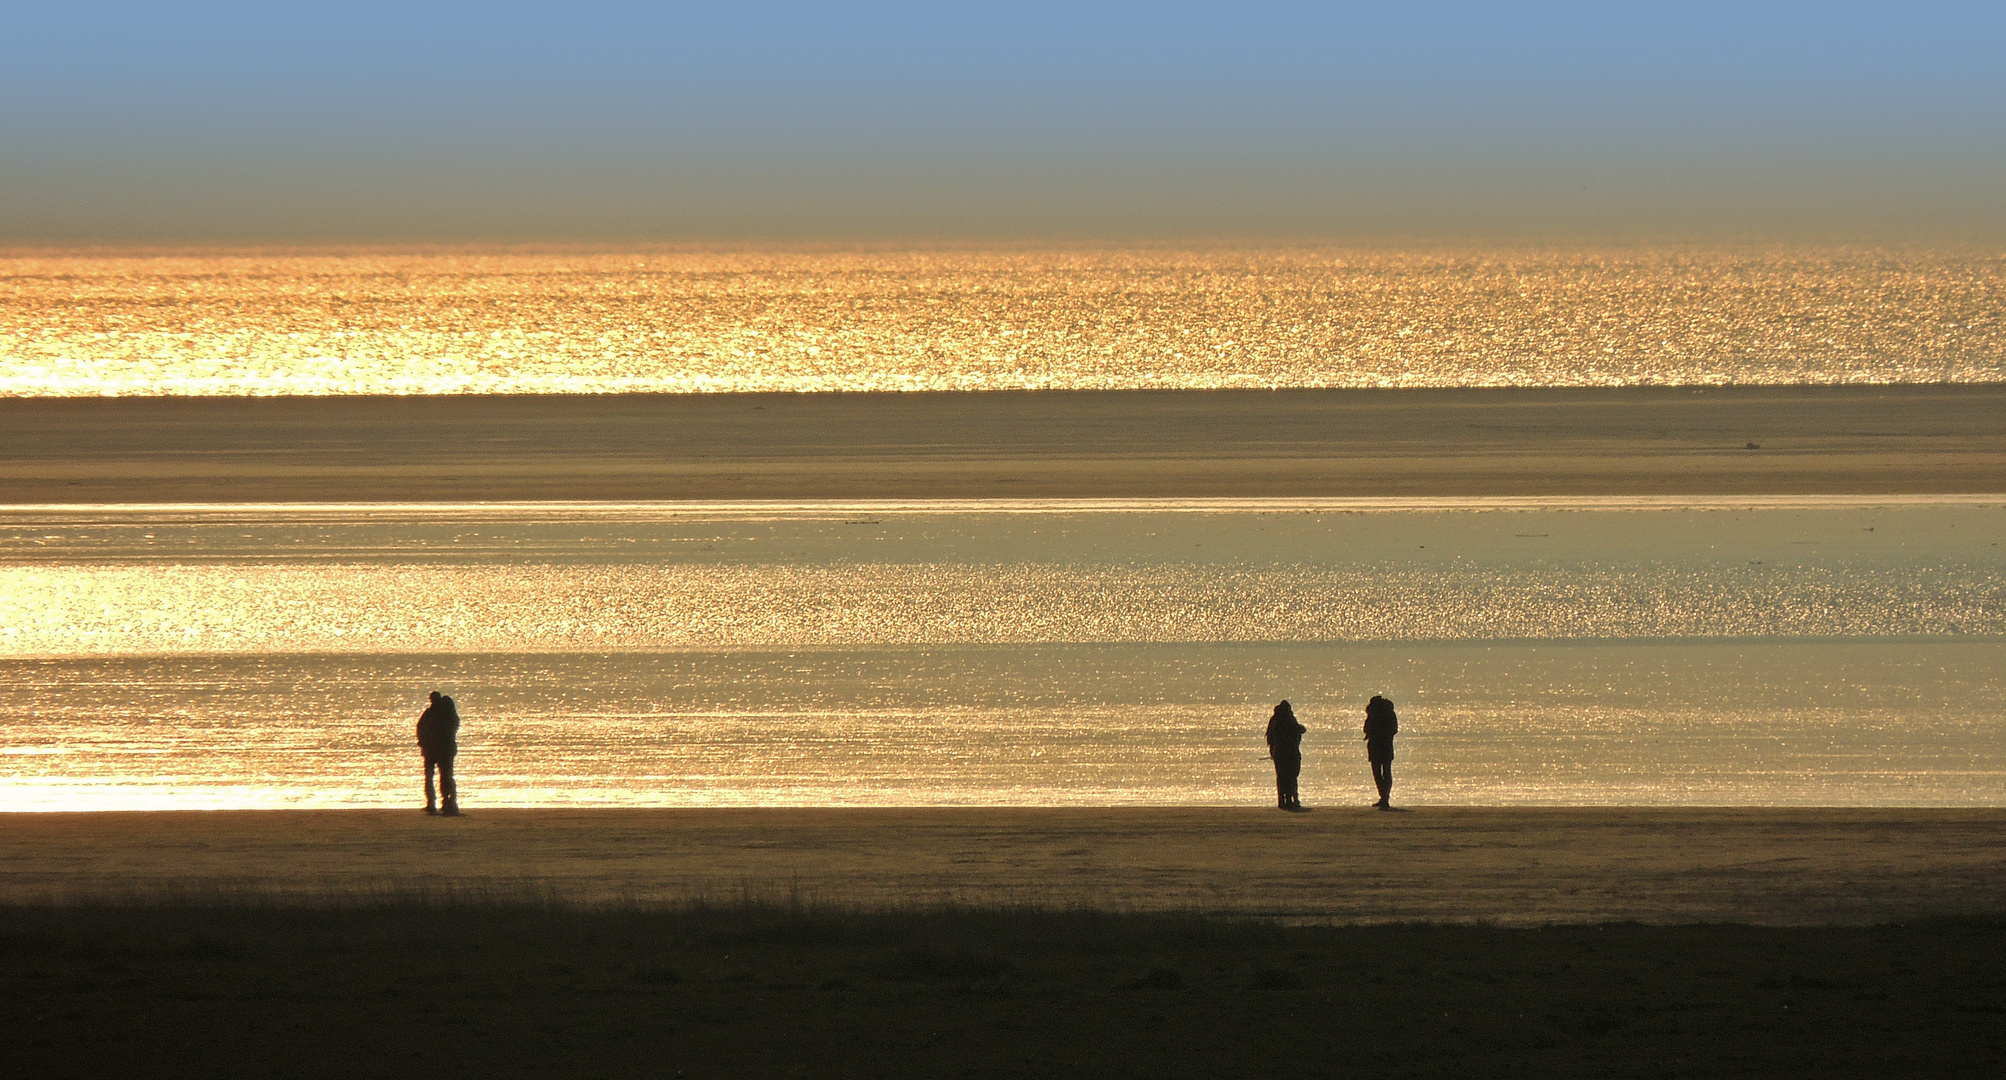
(1058, 444)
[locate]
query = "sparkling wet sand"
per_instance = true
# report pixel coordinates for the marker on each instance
(1043, 444)
(1341, 864)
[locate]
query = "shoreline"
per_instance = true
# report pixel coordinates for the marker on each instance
(1263, 444)
(763, 509)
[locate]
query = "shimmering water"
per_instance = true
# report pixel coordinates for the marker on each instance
(617, 321)
(1566, 651)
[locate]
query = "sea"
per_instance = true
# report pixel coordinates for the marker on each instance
(1772, 650)
(484, 321)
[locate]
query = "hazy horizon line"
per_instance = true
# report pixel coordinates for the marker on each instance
(810, 243)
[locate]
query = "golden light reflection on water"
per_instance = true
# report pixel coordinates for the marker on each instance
(606, 322)
(1776, 723)
(48, 611)
(1834, 652)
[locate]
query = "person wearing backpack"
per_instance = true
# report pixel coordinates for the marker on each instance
(438, 741)
(1285, 746)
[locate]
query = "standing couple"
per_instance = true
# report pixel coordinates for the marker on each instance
(439, 742)
(1285, 746)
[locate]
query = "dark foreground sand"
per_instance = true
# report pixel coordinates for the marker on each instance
(336, 944)
(487, 991)
(1172, 444)
(1506, 866)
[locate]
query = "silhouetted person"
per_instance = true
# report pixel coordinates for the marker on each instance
(438, 740)
(1285, 745)
(1380, 727)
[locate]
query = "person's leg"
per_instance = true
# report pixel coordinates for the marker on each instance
(431, 796)
(447, 787)
(1281, 783)
(1290, 796)
(1382, 778)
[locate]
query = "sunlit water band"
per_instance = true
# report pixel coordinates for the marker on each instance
(474, 321)
(1771, 651)
(1729, 723)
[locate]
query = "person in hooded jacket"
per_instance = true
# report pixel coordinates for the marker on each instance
(1285, 746)
(1380, 726)
(439, 741)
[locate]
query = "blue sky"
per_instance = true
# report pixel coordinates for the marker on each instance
(250, 122)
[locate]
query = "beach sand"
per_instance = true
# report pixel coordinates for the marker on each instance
(1006, 942)
(1171, 444)
(1342, 864)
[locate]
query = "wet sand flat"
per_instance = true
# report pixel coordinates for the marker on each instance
(1505, 866)
(1046, 444)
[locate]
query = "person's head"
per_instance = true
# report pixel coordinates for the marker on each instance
(435, 697)
(1284, 711)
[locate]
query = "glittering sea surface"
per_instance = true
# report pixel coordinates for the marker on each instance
(478, 321)
(1735, 651)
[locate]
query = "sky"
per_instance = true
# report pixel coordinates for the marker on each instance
(304, 122)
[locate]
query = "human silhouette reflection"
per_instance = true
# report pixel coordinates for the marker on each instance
(1285, 745)
(1380, 726)
(438, 741)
